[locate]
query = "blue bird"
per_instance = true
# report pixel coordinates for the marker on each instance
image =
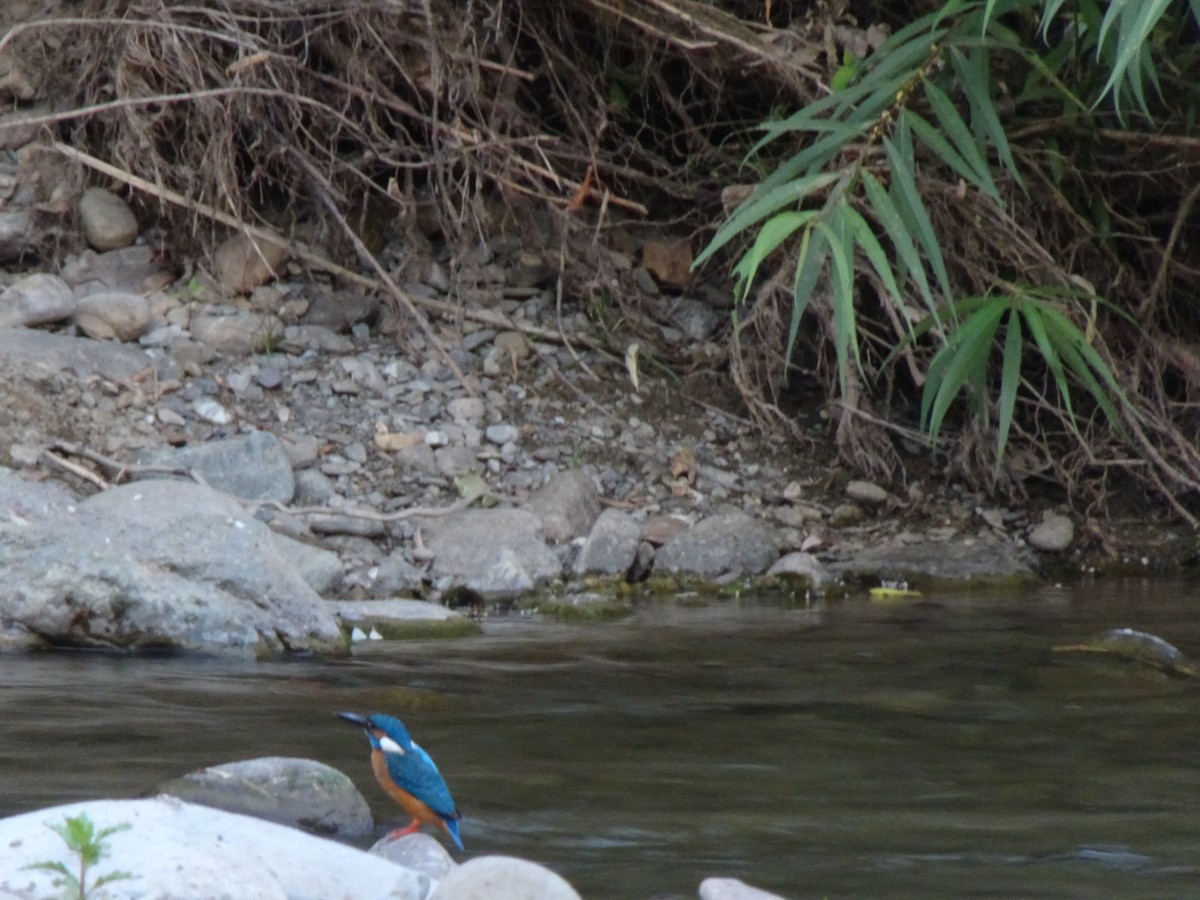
(408, 775)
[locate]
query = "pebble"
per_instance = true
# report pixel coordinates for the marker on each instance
(866, 492)
(211, 411)
(501, 434)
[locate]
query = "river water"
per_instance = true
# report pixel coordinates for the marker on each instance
(936, 748)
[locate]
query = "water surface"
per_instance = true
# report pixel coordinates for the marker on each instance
(930, 749)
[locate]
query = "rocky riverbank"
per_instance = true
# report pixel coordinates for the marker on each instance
(259, 445)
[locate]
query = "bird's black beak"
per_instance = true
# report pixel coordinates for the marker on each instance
(353, 719)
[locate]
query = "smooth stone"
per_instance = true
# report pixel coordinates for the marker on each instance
(38, 299)
(803, 565)
(501, 434)
(239, 334)
(241, 263)
(113, 315)
(866, 492)
(1053, 534)
(107, 221)
(191, 852)
(302, 793)
(503, 878)
(732, 889)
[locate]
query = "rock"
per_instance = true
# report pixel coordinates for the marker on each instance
(252, 466)
(18, 236)
(503, 878)
(313, 486)
(301, 793)
(211, 411)
(1053, 534)
(657, 530)
(804, 565)
(959, 560)
(297, 338)
(396, 575)
(34, 349)
(36, 300)
(501, 434)
(497, 553)
(611, 547)
(135, 270)
(866, 492)
(191, 852)
(341, 310)
(239, 334)
(567, 505)
(107, 221)
(113, 315)
(513, 345)
(466, 409)
(26, 503)
(340, 523)
(161, 564)
(400, 618)
(732, 889)
(320, 569)
(417, 852)
(243, 262)
(721, 545)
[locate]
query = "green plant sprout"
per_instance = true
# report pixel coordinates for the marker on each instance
(83, 840)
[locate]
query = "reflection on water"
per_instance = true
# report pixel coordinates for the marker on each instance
(917, 750)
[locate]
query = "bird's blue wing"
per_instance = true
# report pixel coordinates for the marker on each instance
(416, 773)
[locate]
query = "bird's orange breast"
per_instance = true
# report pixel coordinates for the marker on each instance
(418, 809)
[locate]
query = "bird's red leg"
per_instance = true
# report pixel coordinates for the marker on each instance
(411, 828)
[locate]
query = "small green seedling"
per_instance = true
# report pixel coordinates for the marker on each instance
(83, 840)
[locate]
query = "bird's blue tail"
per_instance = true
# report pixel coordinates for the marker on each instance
(452, 828)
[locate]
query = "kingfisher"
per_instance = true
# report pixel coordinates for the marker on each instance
(408, 774)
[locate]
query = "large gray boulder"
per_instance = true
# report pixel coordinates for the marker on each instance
(724, 545)
(187, 852)
(497, 553)
(160, 564)
(302, 793)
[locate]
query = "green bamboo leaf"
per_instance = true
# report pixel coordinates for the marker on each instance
(763, 203)
(966, 354)
(902, 240)
(975, 77)
(809, 265)
(1010, 379)
(1084, 363)
(931, 138)
(1031, 312)
(1050, 9)
(953, 124)
(862, 234)
(841, 251)
(773, 232)
(912, 210)
(1135, 23)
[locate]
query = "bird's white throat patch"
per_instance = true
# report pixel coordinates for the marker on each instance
(387, 745)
